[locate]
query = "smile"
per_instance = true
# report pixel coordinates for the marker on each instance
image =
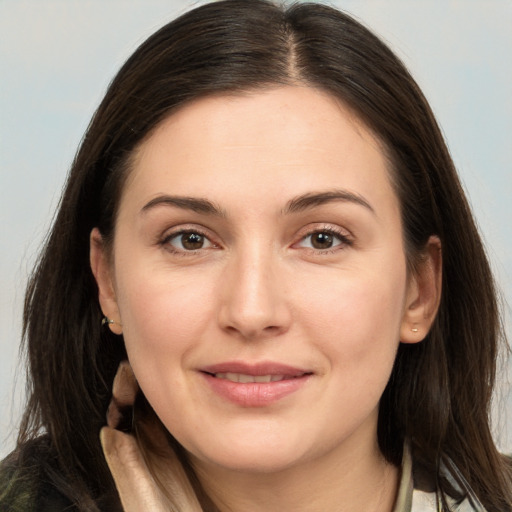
(244, 378)
(249, 385)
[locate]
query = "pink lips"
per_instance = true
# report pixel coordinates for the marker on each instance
(254, 385)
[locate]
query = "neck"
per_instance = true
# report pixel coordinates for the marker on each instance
(358, 479)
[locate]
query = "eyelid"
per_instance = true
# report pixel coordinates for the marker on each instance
(343, 235)
(184, 229)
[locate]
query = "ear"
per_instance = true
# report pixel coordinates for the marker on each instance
(102, 271)
(423, 294)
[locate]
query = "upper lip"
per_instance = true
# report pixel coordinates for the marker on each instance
(255, 369)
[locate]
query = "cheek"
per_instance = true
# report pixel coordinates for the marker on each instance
(163, 316)
(352, 303)
(355, 320)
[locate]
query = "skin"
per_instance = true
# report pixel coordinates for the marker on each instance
(259, 290)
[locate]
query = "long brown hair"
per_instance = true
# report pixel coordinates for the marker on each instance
(439, 392)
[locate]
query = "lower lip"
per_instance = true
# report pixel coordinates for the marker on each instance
(255, 394)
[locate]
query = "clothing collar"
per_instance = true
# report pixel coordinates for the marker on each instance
(413, 497)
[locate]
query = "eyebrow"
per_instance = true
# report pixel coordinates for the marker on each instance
(195, 204)
(295, 205)
(310, 200)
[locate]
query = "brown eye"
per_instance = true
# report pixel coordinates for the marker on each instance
(188, 241)
(192, 241)
(322, 240)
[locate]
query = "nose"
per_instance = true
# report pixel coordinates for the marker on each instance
(253, 297)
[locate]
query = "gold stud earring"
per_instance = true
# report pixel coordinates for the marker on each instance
(414, 329)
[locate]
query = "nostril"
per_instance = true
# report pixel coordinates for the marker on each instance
(254, 333)
(252, 319)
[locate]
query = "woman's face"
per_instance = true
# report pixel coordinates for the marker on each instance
(259, 275)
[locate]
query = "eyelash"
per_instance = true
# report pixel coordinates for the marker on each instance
(176, 234)
(345, 240)
(342, 236)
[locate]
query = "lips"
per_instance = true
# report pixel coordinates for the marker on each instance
(265, 368)
(254, 385)
(244, 378)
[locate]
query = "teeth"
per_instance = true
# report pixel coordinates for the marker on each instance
(240, 377)
(263, 378)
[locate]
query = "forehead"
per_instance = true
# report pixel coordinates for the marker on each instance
(287, 139)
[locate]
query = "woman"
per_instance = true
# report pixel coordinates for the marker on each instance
(264, 220)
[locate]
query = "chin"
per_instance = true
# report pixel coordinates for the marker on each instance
(257, 453)
(249, 461)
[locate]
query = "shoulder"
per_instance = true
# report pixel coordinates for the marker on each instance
(17, 490)
(23, 487)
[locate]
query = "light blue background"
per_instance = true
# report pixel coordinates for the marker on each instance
(57, 57)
